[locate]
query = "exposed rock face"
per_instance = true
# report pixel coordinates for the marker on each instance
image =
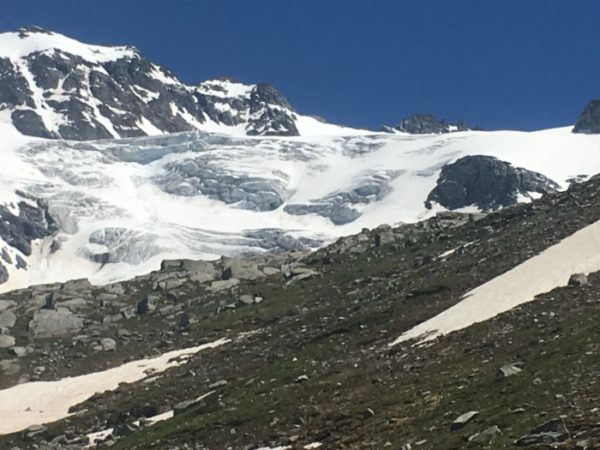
(3, 274)
(92, 92)
(30, 223)
(487, 183)
(429, 124)
(589, 120)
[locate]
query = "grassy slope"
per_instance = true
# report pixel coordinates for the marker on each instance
(359, 393)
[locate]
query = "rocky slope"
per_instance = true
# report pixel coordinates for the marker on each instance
(52, 86)
(310, 361)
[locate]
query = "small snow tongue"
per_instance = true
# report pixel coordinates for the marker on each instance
(41, 402)
(578, 253)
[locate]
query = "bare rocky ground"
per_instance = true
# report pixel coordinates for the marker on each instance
(309, 359)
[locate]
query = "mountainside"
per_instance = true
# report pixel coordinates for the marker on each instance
(236, 178)
(52, 86)
(309, 350)
(201, 267)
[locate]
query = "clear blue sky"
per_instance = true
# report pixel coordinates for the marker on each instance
(520, 64)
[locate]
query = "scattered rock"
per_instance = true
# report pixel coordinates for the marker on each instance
(462, 420)
(578, 279)
(485, 436)
(19, 352)
(108, 344)
(247, 299)
(9, 366)
(548, 433)
(509, 370)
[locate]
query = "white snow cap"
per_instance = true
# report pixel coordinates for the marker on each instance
(31, 40)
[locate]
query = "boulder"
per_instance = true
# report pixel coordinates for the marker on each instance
(200, 271)
(221, 285)
(19, 352)
(509, 370)
(6, 341)
(247, 299)
(549, 432)
(578, 279)
(54, 323)
(147, 304)
(7, 319)
(108, 344)
(240, 269)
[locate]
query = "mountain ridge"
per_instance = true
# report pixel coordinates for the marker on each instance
(52, 86)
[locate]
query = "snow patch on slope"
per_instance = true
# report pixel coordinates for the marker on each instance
(578, 253)
(41, 402)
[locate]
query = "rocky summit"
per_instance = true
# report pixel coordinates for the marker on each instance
(429, 124)
(589, 120)
(55, 87)
(203, 267)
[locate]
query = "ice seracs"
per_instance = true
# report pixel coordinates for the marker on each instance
(122, 206)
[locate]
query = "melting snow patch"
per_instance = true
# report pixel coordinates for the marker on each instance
(99, 436)
(578, 253)
(42, 402)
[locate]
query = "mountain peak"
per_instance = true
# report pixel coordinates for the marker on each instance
(32, 29)
(54, 86)
(33, 39)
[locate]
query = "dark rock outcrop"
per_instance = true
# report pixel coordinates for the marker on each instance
(429, 124)
(589, 120)
(486, 182)
(548, 433)
(31, 222)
